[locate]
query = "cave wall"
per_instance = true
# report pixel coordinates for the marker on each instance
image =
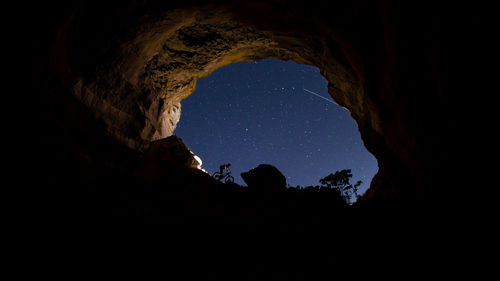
(129, 64)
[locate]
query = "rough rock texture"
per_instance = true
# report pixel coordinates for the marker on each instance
(128, 65)
(166, 155)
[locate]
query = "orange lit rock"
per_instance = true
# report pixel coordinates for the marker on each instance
(166, 156)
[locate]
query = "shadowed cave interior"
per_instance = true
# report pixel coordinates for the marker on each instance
(111, 77)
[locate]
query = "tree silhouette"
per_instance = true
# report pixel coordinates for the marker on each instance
(341, 181)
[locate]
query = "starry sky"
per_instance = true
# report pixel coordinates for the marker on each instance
(273, 112)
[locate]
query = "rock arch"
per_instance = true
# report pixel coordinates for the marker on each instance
(131, 64)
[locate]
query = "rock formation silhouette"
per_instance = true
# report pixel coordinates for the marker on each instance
(265, 176)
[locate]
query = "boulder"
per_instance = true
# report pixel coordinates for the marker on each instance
(168, 155)
(265, 176)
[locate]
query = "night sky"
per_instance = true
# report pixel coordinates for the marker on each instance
(273, 112)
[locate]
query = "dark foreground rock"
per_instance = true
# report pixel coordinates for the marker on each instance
(265, 176)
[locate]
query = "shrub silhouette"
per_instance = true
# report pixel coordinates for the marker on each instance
(341, 182)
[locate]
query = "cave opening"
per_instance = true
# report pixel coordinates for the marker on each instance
(109, 76)
(273, 112)
(155, 63)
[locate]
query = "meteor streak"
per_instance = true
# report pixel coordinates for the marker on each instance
(311, 92)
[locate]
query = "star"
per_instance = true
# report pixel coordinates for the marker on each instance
(236, 115)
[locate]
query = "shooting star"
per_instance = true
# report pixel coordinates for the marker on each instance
(320, 96)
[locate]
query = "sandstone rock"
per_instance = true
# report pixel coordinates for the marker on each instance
(166, 156)
(172, 149)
